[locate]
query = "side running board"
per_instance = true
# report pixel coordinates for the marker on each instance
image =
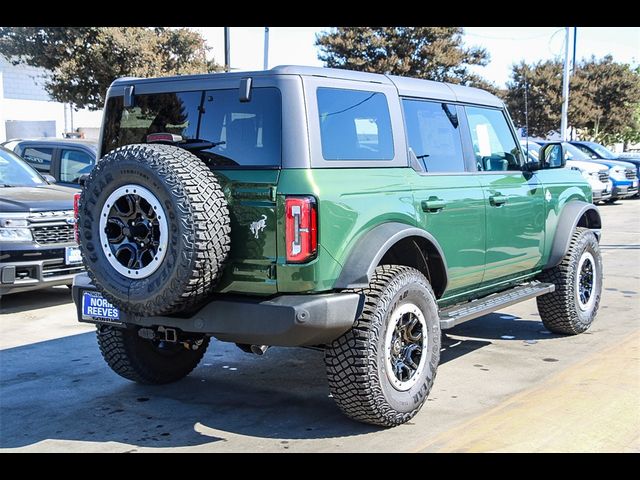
(452, 316)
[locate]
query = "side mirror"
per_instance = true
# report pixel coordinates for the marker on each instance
(50, 178)
(552, 156)
(83, 179)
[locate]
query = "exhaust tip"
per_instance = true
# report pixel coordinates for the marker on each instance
(259, 349)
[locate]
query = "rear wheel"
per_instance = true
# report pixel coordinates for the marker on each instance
(381, 371)
(572, 307)
(149, 361)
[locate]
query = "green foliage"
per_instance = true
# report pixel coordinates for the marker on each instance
(433, 53)
(83, 61)
(604, 99)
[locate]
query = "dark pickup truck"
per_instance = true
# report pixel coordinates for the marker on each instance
(37, 244)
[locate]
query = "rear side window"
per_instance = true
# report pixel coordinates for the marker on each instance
(244, 134)
(494, 145)
(354, 125)
(74, 164)
(39, 158)
(434, 135)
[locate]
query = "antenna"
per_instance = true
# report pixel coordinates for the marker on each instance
(526, 112)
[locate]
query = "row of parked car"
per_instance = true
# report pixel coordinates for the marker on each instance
(37, 219)
(612, 177)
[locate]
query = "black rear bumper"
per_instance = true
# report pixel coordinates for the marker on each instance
(285, 320)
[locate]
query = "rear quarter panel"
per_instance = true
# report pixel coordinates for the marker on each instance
(351, 202)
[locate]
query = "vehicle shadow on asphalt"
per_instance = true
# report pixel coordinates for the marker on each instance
(24, 301)
(62, 390)
(502, 326)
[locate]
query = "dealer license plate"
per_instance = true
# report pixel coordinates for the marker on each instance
(72, 255)
(94, 306)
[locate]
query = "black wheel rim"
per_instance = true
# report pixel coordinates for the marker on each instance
(405, 346)
(133, 231)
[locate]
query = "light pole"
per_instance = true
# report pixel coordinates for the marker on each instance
(266, 48)
(227, 50)
(565, 89)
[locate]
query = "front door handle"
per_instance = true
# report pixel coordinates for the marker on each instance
(498, 199)
(433, 205)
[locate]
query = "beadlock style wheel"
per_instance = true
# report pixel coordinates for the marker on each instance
(133, 231)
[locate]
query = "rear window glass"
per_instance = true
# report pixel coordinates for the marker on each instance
(354, 125)
(243, 134)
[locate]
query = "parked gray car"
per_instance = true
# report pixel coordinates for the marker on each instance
(66, 160)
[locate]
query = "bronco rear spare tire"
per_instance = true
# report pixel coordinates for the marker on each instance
(154, 229)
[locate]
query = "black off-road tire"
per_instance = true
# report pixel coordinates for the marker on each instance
(560, 310)
(198, 228)
(143, 361)
(356, 367)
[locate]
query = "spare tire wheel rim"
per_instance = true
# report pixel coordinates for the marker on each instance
(133, 231)
(405, 346)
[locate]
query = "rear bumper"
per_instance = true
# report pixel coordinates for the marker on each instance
(24, 267)
(285, 320)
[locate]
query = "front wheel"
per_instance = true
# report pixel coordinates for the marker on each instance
(381, 371)
(148, 361)
(572, 307)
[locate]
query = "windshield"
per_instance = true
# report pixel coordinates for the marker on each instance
(603, 152)
(572, 152)
(14, 172)
(239, 134)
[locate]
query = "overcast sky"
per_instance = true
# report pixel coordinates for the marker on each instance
(506, 45)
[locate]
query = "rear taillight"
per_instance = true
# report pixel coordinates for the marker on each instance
(76, 201)
(301, 229)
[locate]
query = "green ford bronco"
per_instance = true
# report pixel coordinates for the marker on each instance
(357, 213)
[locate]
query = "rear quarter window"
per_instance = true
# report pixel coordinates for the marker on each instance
(354, 125)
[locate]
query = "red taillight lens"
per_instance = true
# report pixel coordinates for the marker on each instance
(301, 229)
(76, 201)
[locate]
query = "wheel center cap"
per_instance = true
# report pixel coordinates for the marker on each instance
(397, 346)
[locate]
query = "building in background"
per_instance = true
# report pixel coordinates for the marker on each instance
(27, 110)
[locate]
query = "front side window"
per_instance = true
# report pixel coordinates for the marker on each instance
(74, 164)
(434, 135)
(494, 145)
(354, 125)
(39, 158)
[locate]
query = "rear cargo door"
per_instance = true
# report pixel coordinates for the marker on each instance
(246, 156)
(251, 196)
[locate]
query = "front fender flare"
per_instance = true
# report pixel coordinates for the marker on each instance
(567, 223)
(366, 254)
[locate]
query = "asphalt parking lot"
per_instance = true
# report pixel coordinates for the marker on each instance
(504, 384)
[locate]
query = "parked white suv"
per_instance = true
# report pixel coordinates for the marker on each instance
(597, 175)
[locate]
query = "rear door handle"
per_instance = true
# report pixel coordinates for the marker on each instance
(498, 199)
(433, 205)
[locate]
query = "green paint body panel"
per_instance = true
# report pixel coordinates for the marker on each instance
(487, 247)
(251, 198)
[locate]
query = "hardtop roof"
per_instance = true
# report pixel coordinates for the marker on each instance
(406, 86)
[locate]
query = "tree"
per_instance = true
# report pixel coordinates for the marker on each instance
(83, 61)
(433, 53)
(604, 98)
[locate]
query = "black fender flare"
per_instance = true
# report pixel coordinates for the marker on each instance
(567, 223)
(367, 252)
